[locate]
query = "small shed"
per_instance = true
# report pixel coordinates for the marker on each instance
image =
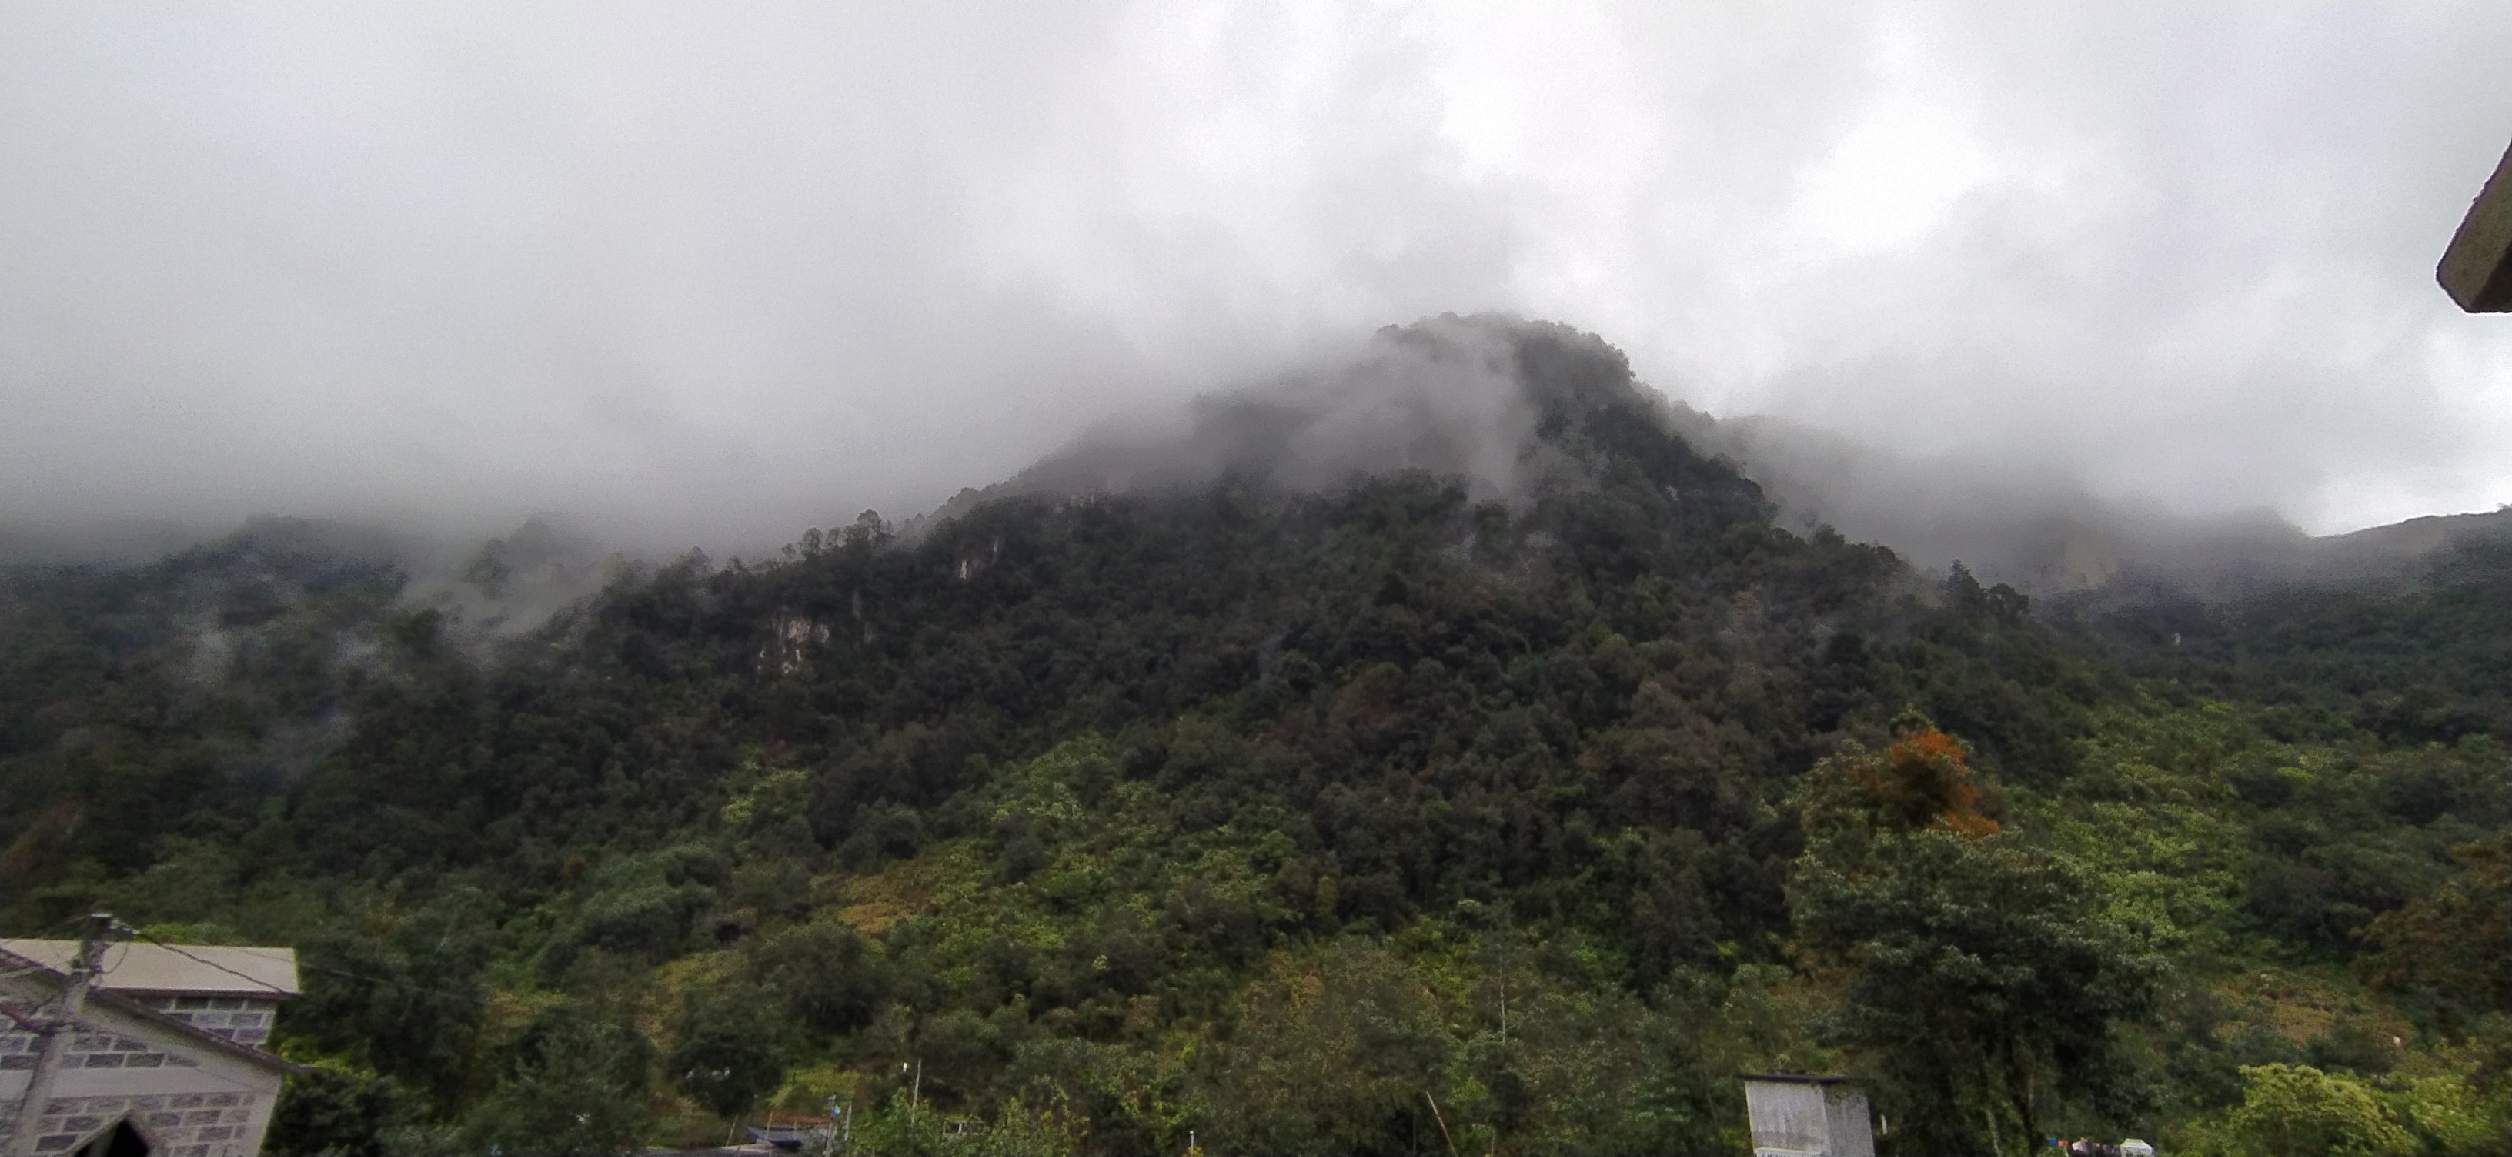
(1808, 1116)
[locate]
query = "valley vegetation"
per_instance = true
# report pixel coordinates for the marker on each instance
(1388, 817)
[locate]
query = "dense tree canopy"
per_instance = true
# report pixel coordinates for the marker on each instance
(1368, 818)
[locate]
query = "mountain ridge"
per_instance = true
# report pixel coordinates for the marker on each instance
(1264, 803)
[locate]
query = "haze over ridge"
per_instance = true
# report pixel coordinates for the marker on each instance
(724, 276)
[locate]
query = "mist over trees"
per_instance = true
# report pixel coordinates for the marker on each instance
(1512, 755)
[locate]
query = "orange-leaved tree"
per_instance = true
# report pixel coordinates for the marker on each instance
(1922, 779)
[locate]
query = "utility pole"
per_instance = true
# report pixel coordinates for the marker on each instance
(57, 1031)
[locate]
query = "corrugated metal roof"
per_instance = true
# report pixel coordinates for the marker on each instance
(208, 970)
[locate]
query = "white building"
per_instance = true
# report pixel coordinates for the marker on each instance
(167, 1057)
(1796, 1116)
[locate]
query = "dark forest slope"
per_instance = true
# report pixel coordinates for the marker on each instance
(1482, 741)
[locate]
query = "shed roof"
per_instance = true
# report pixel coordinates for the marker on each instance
(192, 970)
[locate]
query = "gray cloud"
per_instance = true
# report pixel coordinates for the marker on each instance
(1443, 396)
(722, 272)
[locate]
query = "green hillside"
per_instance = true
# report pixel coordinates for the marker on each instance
(1398, 812)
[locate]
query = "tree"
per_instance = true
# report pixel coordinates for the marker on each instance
(826, 973)
(1331, 1055)
(730, 1045)
(2453, 949)
(1924, 778)
(1982, 975)
(411, 1013)
(1963, 590)
(576, 1088)
(910, 1129)
(329, 1109)
(2299, 1111)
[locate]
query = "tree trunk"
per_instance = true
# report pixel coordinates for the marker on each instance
(2023, 1096)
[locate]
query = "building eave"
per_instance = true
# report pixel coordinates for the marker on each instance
(2476, 269)
(22, 966)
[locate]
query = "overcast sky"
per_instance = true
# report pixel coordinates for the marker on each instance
(761, 266)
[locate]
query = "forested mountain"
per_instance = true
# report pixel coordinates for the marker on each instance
(1444, 752)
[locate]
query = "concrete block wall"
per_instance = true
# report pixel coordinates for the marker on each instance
(90, 1050)
(240, 1019)
(179, 1124)
(200, 1105)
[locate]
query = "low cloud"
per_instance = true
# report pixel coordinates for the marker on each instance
(711, 276)
(1443, 396)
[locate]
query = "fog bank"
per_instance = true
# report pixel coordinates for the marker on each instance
(713, 275)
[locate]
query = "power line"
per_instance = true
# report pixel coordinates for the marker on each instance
(23, 1020)
(308, 966)
(198, 959)
(34, 968)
